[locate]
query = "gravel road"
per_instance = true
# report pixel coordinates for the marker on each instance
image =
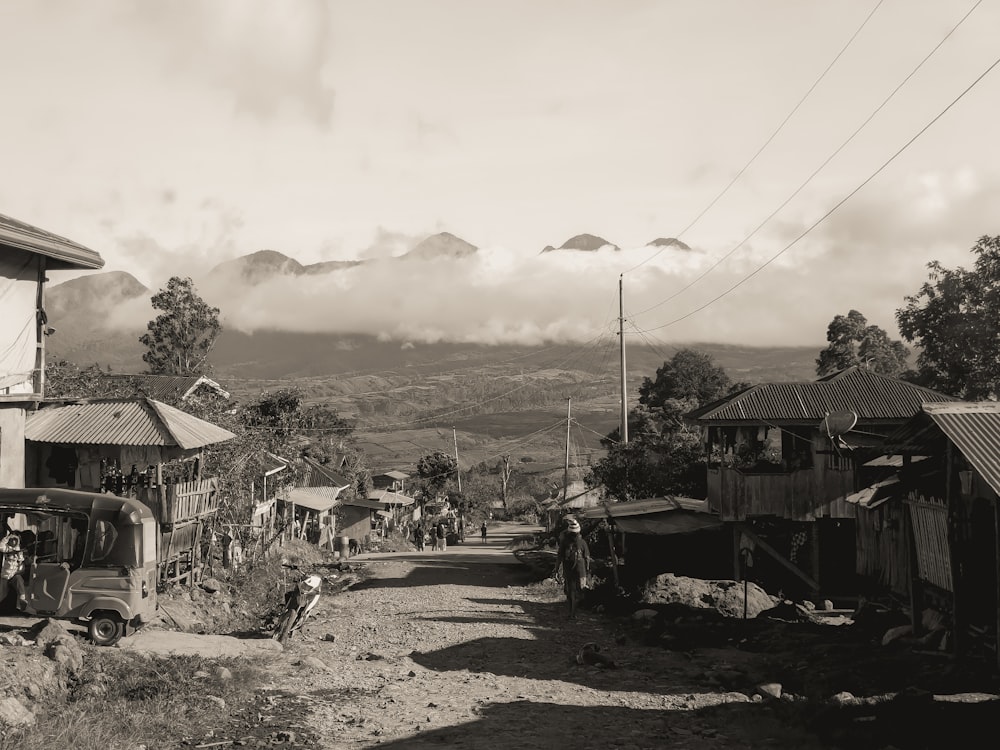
(459, 648)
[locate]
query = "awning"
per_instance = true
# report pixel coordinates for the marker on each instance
(388, 497)
(876, 495)
(313, 498)
(658, 516)
(383, 513)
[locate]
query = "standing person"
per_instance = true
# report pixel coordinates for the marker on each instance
(418, 537)
(482, 532)
(442, 536)
(574, 558)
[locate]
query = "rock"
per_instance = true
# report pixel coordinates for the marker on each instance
(769, 690)
(47, 632)
(14, 639)
(756, 698)
(827, 605)
(843, 698)
(201, 675)
(312, 661)
(644, 615)
(14, 714)
(67, 654)
(896, 633)
(216, 700)
(726, 597)
(211, 585)
(223, 675)
(330, 637)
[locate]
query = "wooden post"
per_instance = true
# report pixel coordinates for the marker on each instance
(814, 538)
(38, 376)
(916, 588)
(953, 554)
(737, 561)
(996, 565)
(614, 555)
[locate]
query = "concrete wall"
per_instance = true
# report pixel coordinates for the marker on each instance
(11, 446)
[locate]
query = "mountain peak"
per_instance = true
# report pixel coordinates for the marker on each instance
(587, 243)
(259, 266)
(441, 245)
(668, 242)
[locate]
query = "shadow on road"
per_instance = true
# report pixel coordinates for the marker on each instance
(526, 725)
(456, 572)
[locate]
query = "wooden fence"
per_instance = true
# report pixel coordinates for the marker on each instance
(929, 517)
(181, 510)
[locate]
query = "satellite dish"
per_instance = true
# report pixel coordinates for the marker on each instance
(838, 422)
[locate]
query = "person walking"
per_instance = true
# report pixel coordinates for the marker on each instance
(482, 532)
(418, 537)
(574, 559)
(442, 536)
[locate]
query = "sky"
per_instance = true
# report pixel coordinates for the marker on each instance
(173, 136)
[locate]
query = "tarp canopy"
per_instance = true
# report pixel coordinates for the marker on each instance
(657, 516)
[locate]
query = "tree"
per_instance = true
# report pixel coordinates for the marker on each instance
(435, 470)
(954, 321)
(664, 455)
(689, 375)
(504, 470)
(854, 342)
(181, 337)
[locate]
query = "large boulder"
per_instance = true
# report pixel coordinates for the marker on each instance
(14, 714)
(725, 597)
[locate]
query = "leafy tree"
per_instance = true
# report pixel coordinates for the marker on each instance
(689, 375)
(664, 455)
(954, 321)
(854, 342)
(181, 337)
(435, 470)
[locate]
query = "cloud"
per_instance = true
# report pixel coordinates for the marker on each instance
(266, 54)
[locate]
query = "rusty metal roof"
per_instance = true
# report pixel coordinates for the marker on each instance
(314, 498)
(323, 475)
(122, 422)
(871, 396)
(63, 253)
(974, 428)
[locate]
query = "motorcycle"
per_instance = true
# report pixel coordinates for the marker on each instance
(300, 600)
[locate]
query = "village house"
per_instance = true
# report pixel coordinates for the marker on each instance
(783, 460)
(932, 528)
(390, 480)
(26, 254)
(137, 448)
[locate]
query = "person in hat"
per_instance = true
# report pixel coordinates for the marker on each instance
(574, 559)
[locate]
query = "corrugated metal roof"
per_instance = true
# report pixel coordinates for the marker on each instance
(321, 475)
(650, 505)
(314, 498)
(122, 422)
(871, 396)
(390, 498)
(168, 386)
(63, 252)
(394, 475)
(974, 428)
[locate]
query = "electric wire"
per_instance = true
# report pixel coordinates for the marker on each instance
(770, 138)
(836, 206)
(818, 169)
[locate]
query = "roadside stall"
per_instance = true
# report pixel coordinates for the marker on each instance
(138, 448)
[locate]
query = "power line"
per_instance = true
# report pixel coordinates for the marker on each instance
(840, 203)
(770, 138)
(818, 169)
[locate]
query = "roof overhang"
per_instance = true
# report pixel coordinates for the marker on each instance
(61, 252)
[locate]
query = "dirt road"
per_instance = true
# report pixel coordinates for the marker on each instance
(458, 648)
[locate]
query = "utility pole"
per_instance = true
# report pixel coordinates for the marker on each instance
(621, 337)
(458, 471)
(569, 402)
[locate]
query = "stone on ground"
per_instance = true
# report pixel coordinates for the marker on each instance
(726, 597)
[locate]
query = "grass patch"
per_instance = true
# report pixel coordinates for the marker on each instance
(121, 700)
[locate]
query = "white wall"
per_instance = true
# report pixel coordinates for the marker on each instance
(11, 446)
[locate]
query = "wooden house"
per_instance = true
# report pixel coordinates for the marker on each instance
(946, 497)
(133, 448)
(390, 480)
(27, 253)
(781, 480)
(309, 508)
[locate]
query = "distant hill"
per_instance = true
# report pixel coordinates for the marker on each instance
(441, 245)
(330, 266)
(668, 242)
(259, 266)
(587, 243)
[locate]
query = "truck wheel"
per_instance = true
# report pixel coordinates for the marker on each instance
(106, 628)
